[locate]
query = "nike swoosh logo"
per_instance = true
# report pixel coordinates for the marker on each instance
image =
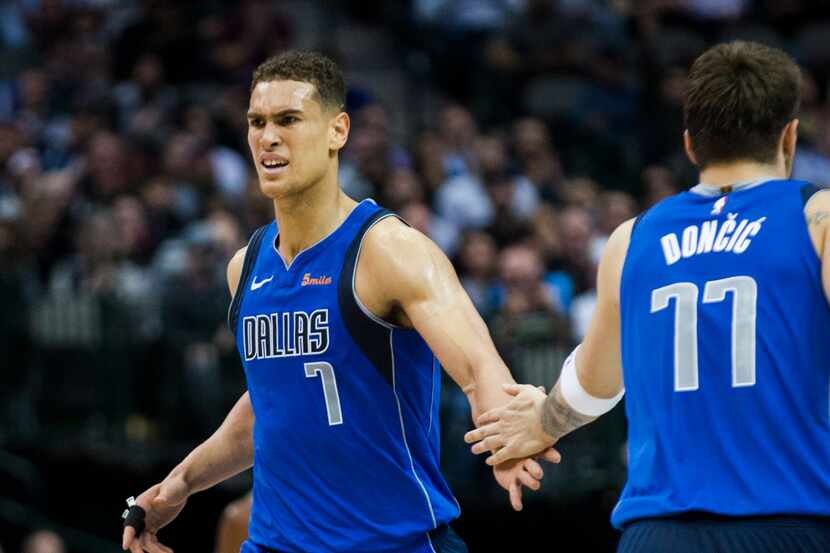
(261, 283)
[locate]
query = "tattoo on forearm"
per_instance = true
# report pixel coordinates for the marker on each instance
(559, 418)
(818, 218)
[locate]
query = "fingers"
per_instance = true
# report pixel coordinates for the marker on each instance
(512, 389)
(493, 443)
(135, 547)
(151, 544)
(534, 469)
(504, 454)
(515, 492)
(127, 537)
(528, 480)
(479, 433)
(551, 456)
(493, 415)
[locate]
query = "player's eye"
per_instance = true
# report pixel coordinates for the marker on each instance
(288, 120)
(256, 123)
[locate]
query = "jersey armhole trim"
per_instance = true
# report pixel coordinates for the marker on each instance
(251, 254)
(385, 324)
(809, 190)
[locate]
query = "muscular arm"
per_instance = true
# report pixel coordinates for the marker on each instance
(532, 421)
(402, 272)
(403, 276)
(817, 214)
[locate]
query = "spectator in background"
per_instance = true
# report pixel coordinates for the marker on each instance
(658, 183)
(527, 327)
(467, 199)
(812, 163)
(194, 310)
(108, 173)
(188, 170)
(145, 100)
(457, 133)
(403, 187)
(477, 269)
(537, 158)
(229, 169)
(371, 156)
(441, 231)
(43, 541)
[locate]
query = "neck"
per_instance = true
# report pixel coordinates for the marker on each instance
(306, 218)
(730, 173)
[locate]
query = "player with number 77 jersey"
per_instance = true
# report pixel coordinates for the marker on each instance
(713, 312)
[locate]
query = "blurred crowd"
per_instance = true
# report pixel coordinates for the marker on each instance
(528, 131)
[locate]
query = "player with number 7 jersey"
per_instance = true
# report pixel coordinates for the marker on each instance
(334, 384)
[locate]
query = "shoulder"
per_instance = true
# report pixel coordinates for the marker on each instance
(397, 256)
(613, 259)
(235, 268)
(618, 241)
(818, 201)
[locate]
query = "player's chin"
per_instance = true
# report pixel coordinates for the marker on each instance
(275, 187)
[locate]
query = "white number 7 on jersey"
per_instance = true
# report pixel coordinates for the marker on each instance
(744, 307)
(330, 394)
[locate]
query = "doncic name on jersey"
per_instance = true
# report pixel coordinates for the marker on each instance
(716, 236)
(286, 334)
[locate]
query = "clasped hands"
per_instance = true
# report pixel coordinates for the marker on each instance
(514, 435)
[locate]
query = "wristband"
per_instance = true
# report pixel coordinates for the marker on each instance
(577, 397)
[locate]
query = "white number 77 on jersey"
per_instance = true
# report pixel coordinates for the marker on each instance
(744, 308)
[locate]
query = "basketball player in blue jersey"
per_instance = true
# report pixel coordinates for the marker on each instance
(713, 316)
(343, 317)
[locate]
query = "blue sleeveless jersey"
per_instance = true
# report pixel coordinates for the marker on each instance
(726, 357)
(346, 438)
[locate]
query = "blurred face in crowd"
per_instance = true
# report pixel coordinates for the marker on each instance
(44, 542)
(478, 255)
(492, 154)
(617, 207)
(403, 187)
(418, 215)
(576, 228)
(293, 138)
(520, 269)
(458, 128)
(108, 163)
(531, 137)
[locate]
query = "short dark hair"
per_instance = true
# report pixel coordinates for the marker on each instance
(309, 67)
(740, 96)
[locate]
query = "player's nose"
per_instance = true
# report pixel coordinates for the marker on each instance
(270, 137)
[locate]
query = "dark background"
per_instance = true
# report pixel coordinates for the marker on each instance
(516, 133)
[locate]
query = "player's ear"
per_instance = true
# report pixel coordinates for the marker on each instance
(339, 126)
(690, 150)
(789, 137)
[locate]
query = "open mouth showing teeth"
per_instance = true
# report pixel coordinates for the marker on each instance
(270, 164)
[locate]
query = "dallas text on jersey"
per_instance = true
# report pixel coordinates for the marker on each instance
(286, 334)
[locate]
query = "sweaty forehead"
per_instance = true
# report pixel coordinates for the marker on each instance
(275, 96)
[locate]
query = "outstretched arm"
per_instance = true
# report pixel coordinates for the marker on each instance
(404, 276)
(590, 381)
(227, 452)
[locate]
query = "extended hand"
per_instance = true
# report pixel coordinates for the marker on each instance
(514, 431)
(512, 475)
(162, 503)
